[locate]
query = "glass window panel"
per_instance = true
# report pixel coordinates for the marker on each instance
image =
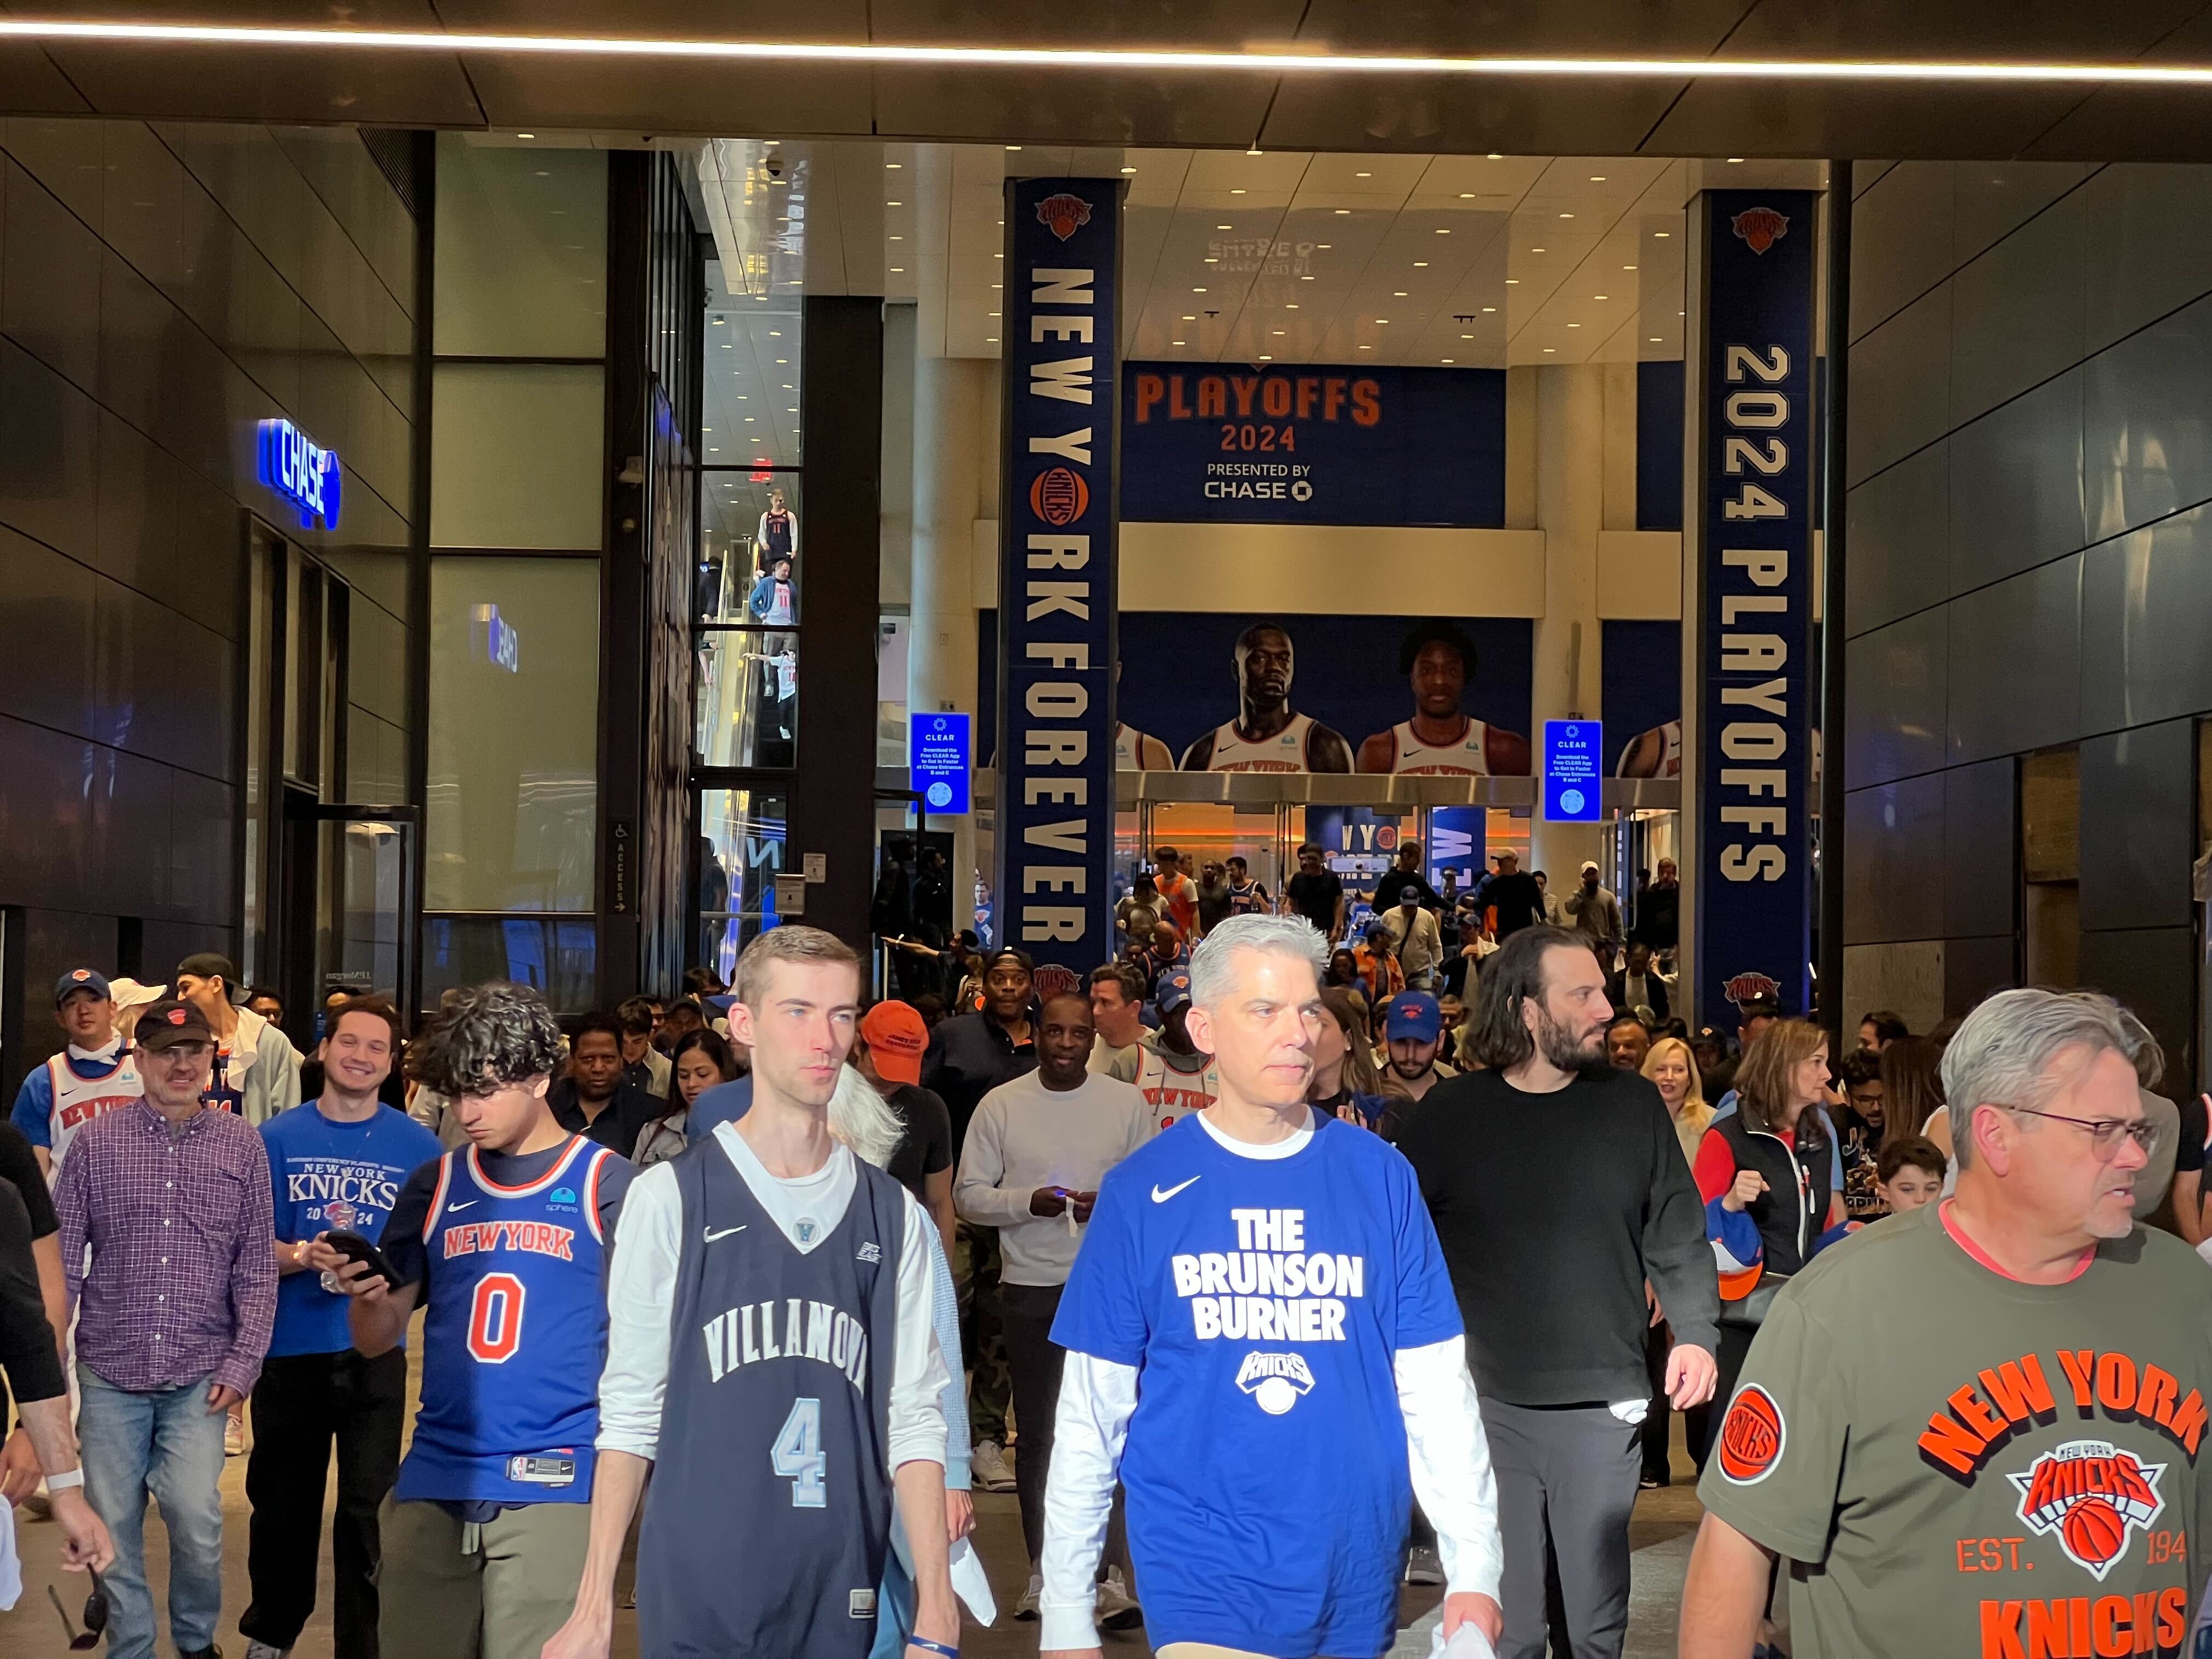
(747, 708)
(519, 449)
(559, 959)
(521, 249)
(511, 813)
(741, 849)
(745, 520)
(750, 391)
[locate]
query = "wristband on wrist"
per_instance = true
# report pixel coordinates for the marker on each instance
(937, 1648)
(63, 1481)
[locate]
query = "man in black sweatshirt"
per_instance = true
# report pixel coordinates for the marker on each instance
(1559, 1189)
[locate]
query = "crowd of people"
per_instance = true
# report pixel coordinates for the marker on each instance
(1412, 1296)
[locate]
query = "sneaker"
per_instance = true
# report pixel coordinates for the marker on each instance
(211, 1651)
(263, 1650)
(1424, 1567)
(986, 1467)
(1027, 1606)
(233, 1437)
(1117, 1608)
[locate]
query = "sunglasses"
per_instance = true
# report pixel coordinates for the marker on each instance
(96, 1615)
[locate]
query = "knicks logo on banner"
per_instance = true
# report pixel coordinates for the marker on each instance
(1761, 228)
(1063, 215)
(2089, 1495)
(1060, 497)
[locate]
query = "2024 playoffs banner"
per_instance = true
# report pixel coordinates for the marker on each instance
(1313, 443)
(1755, 567)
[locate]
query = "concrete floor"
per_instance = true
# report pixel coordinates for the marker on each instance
(1660, 1535)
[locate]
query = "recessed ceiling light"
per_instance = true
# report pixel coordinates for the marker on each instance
(1566, 215)
(1198, 291)
(1662, 233)
(1467, 336)
(1654, 339)
(1382, 319)
(525, 135)
(1490, 307)
(1305, 279)
(1574, 324)
(1280, 333)
(726, 345)
(894, 166)
(1237, 192)
(1362, 175)
(898, 270)
(1420, 265)
(1597, 178)
(1512, 281)
(1014, 147)
(1367, 348)
(1225, 227)
(992, 313)
(1190, 317)
(898, 239)
(1210, 260)
(1443, 232)
(1628, 267)
(1128, 169)
(1444, 360)
(992, 339)
(1324, 245)
(1496, 157)
(1341, 211)
(1175, 343)
(895, 205)
(1598, 297)
(1467, 196)
(1251, 152)
(1734, 159)
(1291, 305)
(998, 256)
(718, 322)
(1398, 294)
(1551, 348)
(1536, 250)
(997, 285)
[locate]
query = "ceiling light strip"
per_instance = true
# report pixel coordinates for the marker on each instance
(59, 30)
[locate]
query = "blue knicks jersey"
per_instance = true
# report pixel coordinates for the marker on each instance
(1263, 1303)
(515, 1336)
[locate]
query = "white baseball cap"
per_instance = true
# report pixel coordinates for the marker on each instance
(129, 994)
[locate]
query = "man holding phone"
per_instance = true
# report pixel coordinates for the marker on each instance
(1037, 1148)
(505, 1240)
(170, 1200)
(336, 1165)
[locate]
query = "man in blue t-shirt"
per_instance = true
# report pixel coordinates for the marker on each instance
(1260, 1308)
(337, 1164)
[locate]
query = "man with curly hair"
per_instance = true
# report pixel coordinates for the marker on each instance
(504, 1240)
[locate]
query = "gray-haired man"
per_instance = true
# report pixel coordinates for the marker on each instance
(1976, 1427)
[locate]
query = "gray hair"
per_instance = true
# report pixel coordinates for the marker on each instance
(2007, 1053)
(1286, 936)
(859, 1117)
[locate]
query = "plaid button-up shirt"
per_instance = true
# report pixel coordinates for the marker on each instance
(183, 1280)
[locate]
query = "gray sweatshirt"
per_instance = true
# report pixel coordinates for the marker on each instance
(1024, 1136)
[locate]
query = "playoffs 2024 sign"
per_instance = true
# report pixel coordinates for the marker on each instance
(1313, 443)
(1755, 580)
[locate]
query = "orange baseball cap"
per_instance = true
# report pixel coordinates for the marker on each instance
(897, 1037)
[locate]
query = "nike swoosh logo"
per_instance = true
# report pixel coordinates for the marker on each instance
(1159, 1197)
(450, 1208)
(712, 1234)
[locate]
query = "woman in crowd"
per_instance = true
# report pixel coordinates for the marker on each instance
(1673, 1070)
(1912, 1092)
(1345, 1082)
(701, 1061)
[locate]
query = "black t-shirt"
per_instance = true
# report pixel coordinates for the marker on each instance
(926, 1146)
(1391, 883)
(619, 1121)
(2189, 1151)
(27, 1357)
(402, 1239)
(19, 1167)
(1315, 898)
(1517, 900)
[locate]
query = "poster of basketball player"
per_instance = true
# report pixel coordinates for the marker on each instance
(1642, 688)
(1208, 691)
(1441, 738)
(1266, 734)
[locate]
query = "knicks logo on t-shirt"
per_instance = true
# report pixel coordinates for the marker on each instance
(2090, 1495)
(1752, 1436)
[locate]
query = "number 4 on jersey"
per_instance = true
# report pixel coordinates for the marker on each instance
(797, 1455)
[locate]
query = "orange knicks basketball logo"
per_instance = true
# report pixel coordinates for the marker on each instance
(1761, 228)
(1063, 215)
(1059, 497)
(2089, 1495)
(1752, 1437)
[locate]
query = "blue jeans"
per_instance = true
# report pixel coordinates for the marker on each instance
(168, 1443)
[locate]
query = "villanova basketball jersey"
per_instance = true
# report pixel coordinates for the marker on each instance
(769, 1516)
(515, 1336)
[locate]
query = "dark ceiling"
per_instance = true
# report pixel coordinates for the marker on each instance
(1690, 117)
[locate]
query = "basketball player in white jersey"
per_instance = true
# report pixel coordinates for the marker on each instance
(1140, 751)
(1267, 735)
(1437, 659)
(1654, 754)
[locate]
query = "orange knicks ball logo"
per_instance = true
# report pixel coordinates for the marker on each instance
(1059, 497)
(1752, 1437)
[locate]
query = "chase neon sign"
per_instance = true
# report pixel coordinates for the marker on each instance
(302, 472)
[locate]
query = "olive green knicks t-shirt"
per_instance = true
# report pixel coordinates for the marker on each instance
(1965, 1466)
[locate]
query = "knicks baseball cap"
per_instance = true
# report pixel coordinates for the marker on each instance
(169, 1022)
(1413, 1014)
(896, 1038)
(82, 979)
(1173, 991)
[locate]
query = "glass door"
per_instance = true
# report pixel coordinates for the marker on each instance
(351, 909)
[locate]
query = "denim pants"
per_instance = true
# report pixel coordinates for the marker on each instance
(168, 1443)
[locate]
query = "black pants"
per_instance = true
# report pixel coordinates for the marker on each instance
(1696, 1423)
(1736, 1344)
(302, 1404)
(1035, 1361)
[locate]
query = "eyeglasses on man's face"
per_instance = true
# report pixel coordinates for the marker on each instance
(2105, 1132)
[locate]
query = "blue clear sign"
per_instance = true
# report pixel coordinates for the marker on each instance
(1574, 768)
(936, 754)
(302, 472)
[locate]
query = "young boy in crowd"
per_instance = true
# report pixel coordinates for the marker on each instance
(1909, 1173)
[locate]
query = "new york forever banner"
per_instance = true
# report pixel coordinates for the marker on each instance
(1055, 824)
(1754, 887)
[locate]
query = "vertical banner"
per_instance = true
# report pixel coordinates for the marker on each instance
(1754, 635)
(1055, 824)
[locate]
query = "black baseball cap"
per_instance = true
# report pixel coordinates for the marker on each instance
(169, 1022)
(210, 964)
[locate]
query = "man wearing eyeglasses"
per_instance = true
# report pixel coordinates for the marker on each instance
(1977, 1428)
